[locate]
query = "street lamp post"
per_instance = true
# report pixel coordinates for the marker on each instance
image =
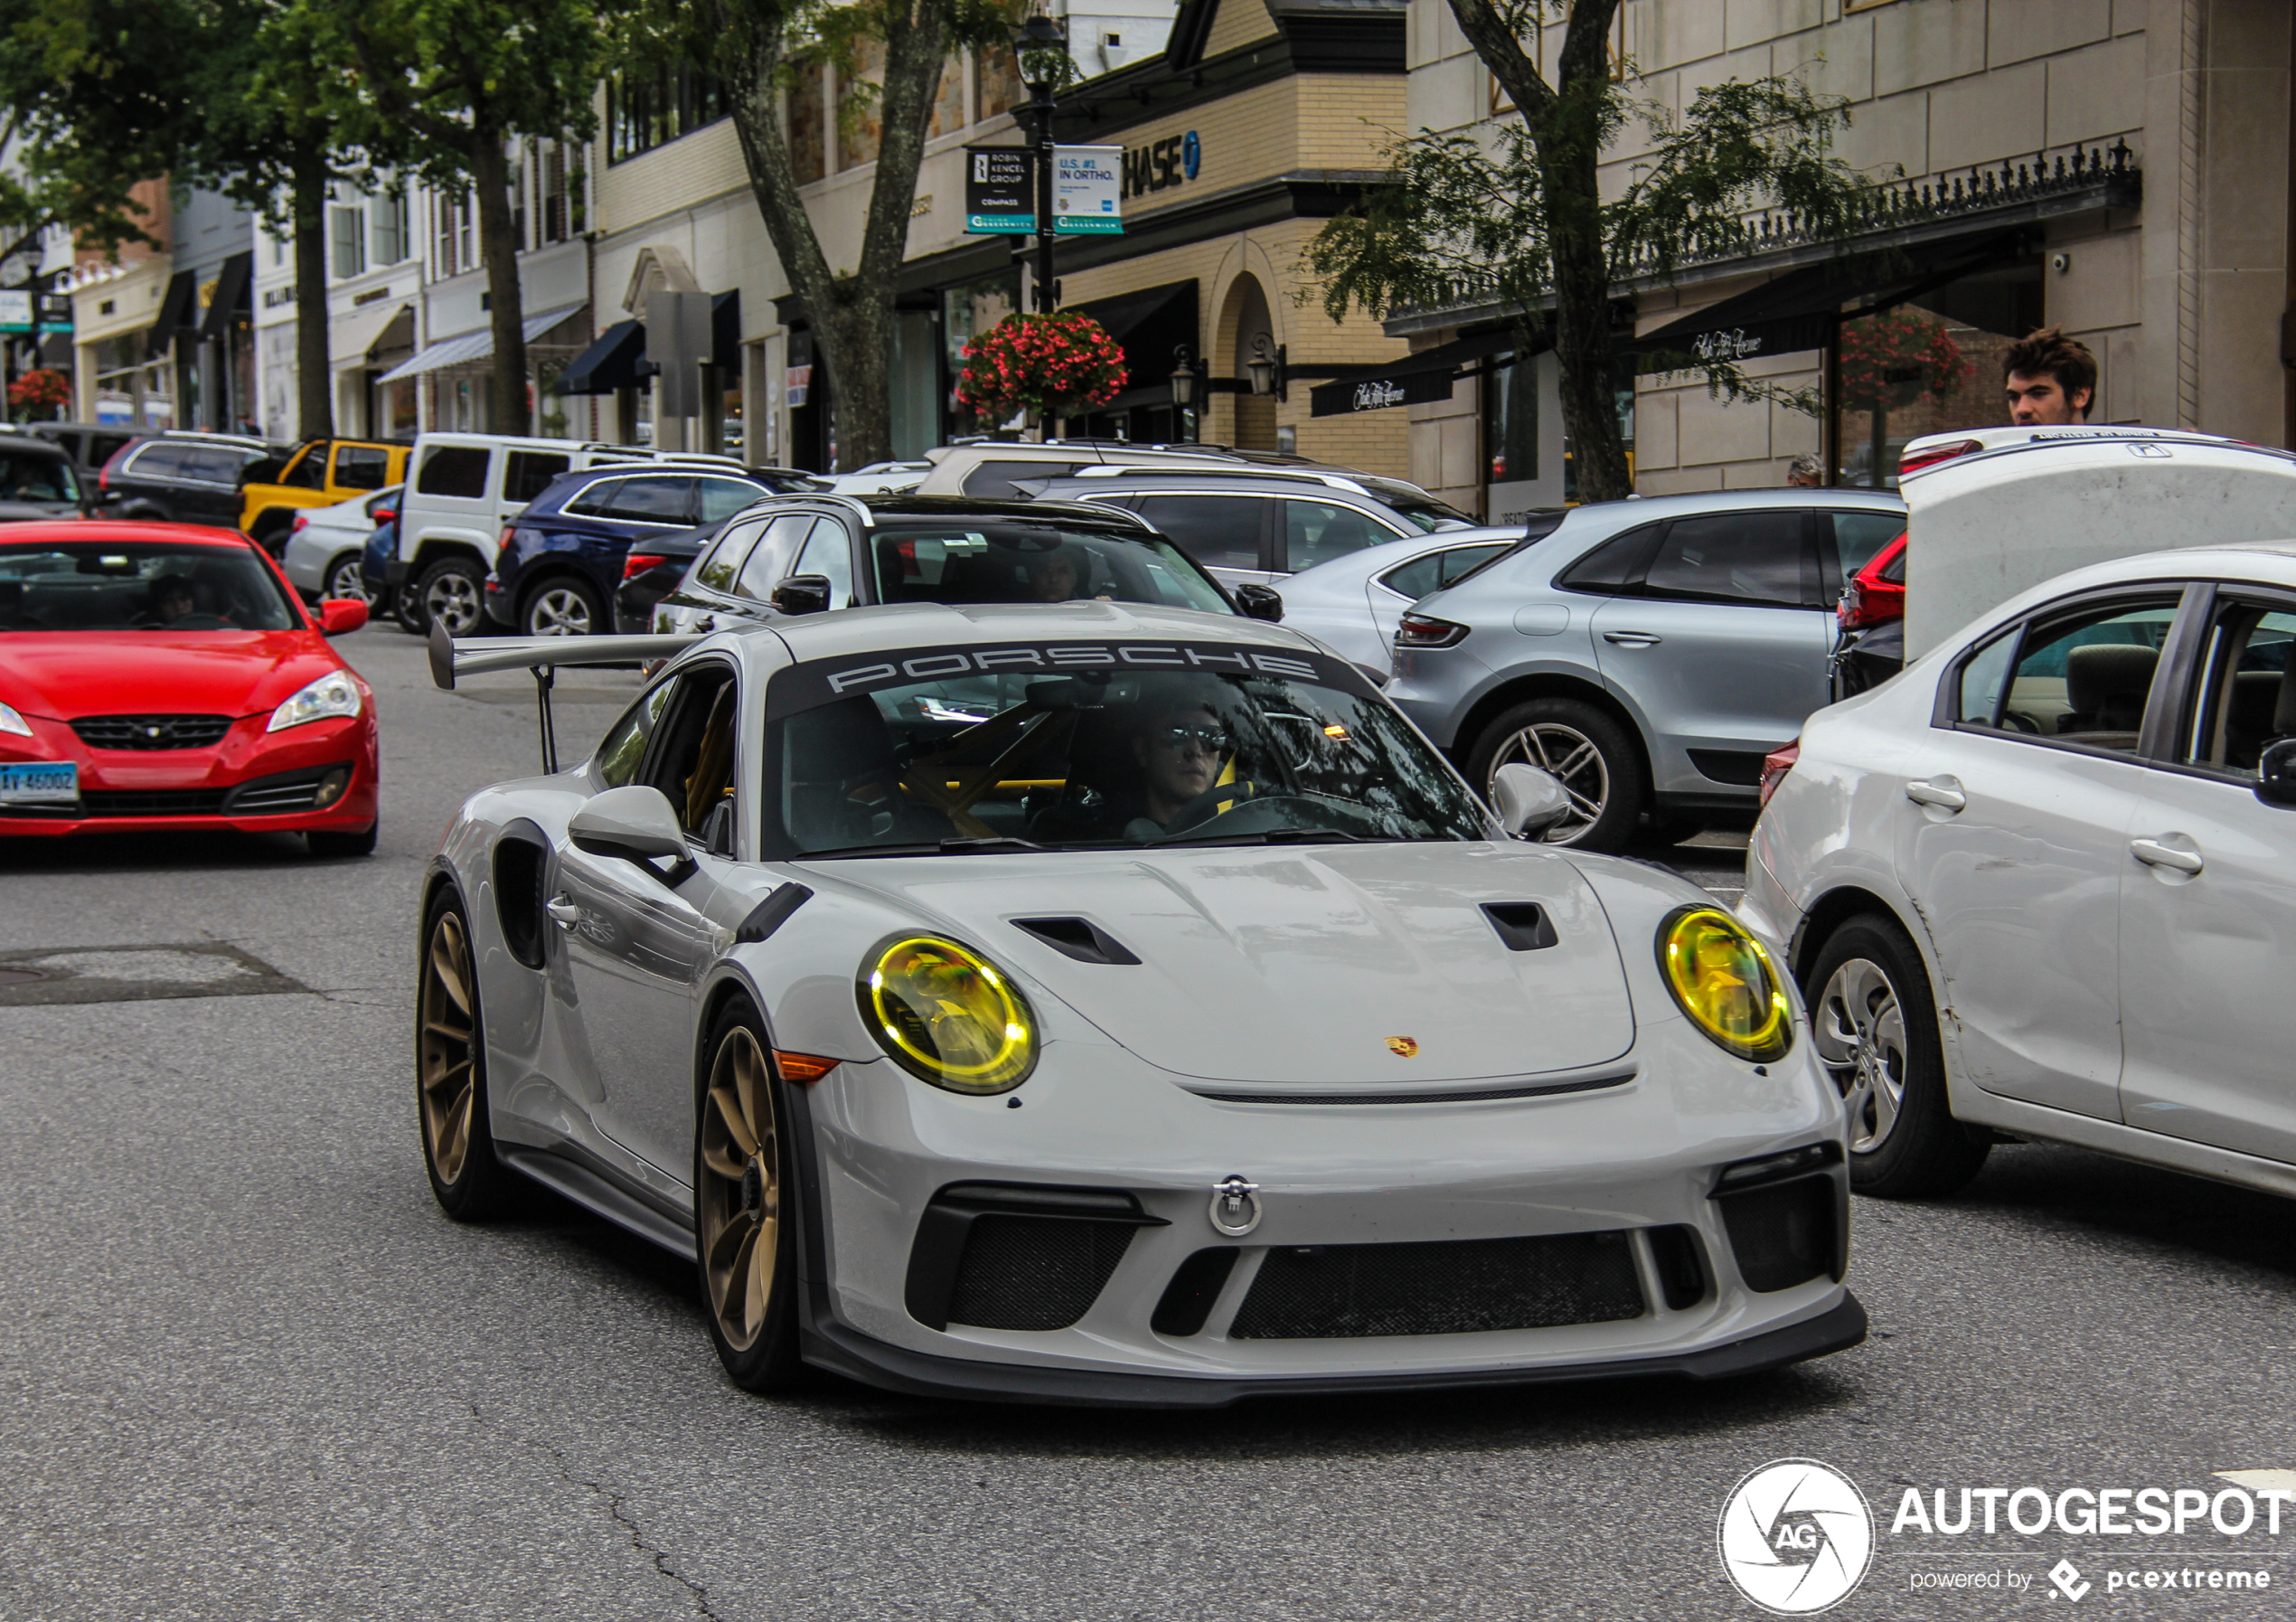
(1036, 46)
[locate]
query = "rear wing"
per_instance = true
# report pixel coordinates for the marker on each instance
(544, 655)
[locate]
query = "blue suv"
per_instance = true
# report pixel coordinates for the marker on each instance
(560, 559)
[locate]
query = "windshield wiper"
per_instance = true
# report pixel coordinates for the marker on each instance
(960, 847)
(1271, 836)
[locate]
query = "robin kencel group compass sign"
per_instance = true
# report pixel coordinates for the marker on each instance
(1001, 190)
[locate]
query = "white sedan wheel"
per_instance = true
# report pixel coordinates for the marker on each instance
(1860, 1027)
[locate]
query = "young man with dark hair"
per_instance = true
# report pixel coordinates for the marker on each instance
(2050, 378)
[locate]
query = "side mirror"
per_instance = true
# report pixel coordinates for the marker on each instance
(634, 823)
(2276, 774)
(802, 594)
(339, 615)
(1261, 603)
(1528, 800)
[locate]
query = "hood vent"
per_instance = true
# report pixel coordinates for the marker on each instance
(1074, 938)
(1523, 924)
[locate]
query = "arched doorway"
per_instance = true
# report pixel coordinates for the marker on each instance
(1245, 321)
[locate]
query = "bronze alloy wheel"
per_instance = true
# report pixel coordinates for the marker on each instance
(445, 1046)
(739, 1203)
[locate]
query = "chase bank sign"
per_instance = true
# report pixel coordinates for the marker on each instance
(1162, 165)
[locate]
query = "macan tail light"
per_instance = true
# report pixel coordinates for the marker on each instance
(1775, 765)
(638, 562)
(1424, 630)
(1936, 454)
(383, 514)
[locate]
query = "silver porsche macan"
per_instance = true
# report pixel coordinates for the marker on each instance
(1099, 1003)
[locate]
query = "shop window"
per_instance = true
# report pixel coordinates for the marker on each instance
(967, 312)
(1511, 423)
(349, 240)
(1929, 368)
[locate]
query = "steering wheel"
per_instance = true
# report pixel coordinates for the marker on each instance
(1189, 813)
(189, 622)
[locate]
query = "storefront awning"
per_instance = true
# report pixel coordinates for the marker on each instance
(1149, 325)
(351, 341)
(473, 346)
(1801, 309)
(1407, 379)
(616, 359)
(231, 301)
(174, 309)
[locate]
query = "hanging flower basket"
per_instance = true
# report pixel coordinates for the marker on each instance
(42, 388)
(1053, 365)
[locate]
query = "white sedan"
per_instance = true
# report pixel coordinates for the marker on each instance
(1352, 604)
(2044, 883)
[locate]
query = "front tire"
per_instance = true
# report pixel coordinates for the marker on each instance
(1876, 1027)
(1585, 750)
(452, 592)
(335, 842)
(745, 1229)
(468, 1180)
(564, 606)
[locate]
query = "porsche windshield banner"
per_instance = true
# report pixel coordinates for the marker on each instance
(825, 681)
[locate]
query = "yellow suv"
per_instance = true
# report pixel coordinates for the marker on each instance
(318, 473)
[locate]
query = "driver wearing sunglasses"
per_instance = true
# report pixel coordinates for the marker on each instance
(1180, 752)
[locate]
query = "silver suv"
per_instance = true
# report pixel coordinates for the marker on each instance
(1649, 652)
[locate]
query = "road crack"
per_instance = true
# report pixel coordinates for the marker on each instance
(618, 1506)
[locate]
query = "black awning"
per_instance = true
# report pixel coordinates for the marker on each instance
(230, 302)
(725, 330)
(160, 337)
(1149, 325)
(1801, 309)
(614, 360)
(1407, 379)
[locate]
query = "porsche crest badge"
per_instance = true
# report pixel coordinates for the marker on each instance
(1404, 1047)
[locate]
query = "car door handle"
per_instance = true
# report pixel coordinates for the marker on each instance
(2159, 852)
(1632, 638)
(563, 912)
(1944, 793)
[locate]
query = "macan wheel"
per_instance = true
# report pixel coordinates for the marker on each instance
(564, 606)
(1585, 750)
(450, 594)
(450, 1071)
(745, 1234)
(342, 579)
(1876, 1027)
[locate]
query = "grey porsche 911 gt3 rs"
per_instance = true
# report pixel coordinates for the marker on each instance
(1099, 1003)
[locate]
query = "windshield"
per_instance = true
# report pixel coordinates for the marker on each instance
(115, 586)
(24, 477)
(1082, 745)
(976, 561)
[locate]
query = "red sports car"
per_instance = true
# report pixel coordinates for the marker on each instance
(164, 676)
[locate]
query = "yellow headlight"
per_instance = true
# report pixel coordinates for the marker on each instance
(947, 1016)
(1725, 982)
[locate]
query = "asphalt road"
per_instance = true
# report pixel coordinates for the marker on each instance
(249, 1370)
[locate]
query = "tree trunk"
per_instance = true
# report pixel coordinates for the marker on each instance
(314, 380)
(851, 313)
(498, 243)
(1565, 124)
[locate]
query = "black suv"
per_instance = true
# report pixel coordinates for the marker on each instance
(89, 444)
(180, 478)
(37, 480)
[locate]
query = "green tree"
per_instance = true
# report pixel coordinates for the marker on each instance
(442, 86)
(756, 48)
(1523, 214)
(107, 93)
